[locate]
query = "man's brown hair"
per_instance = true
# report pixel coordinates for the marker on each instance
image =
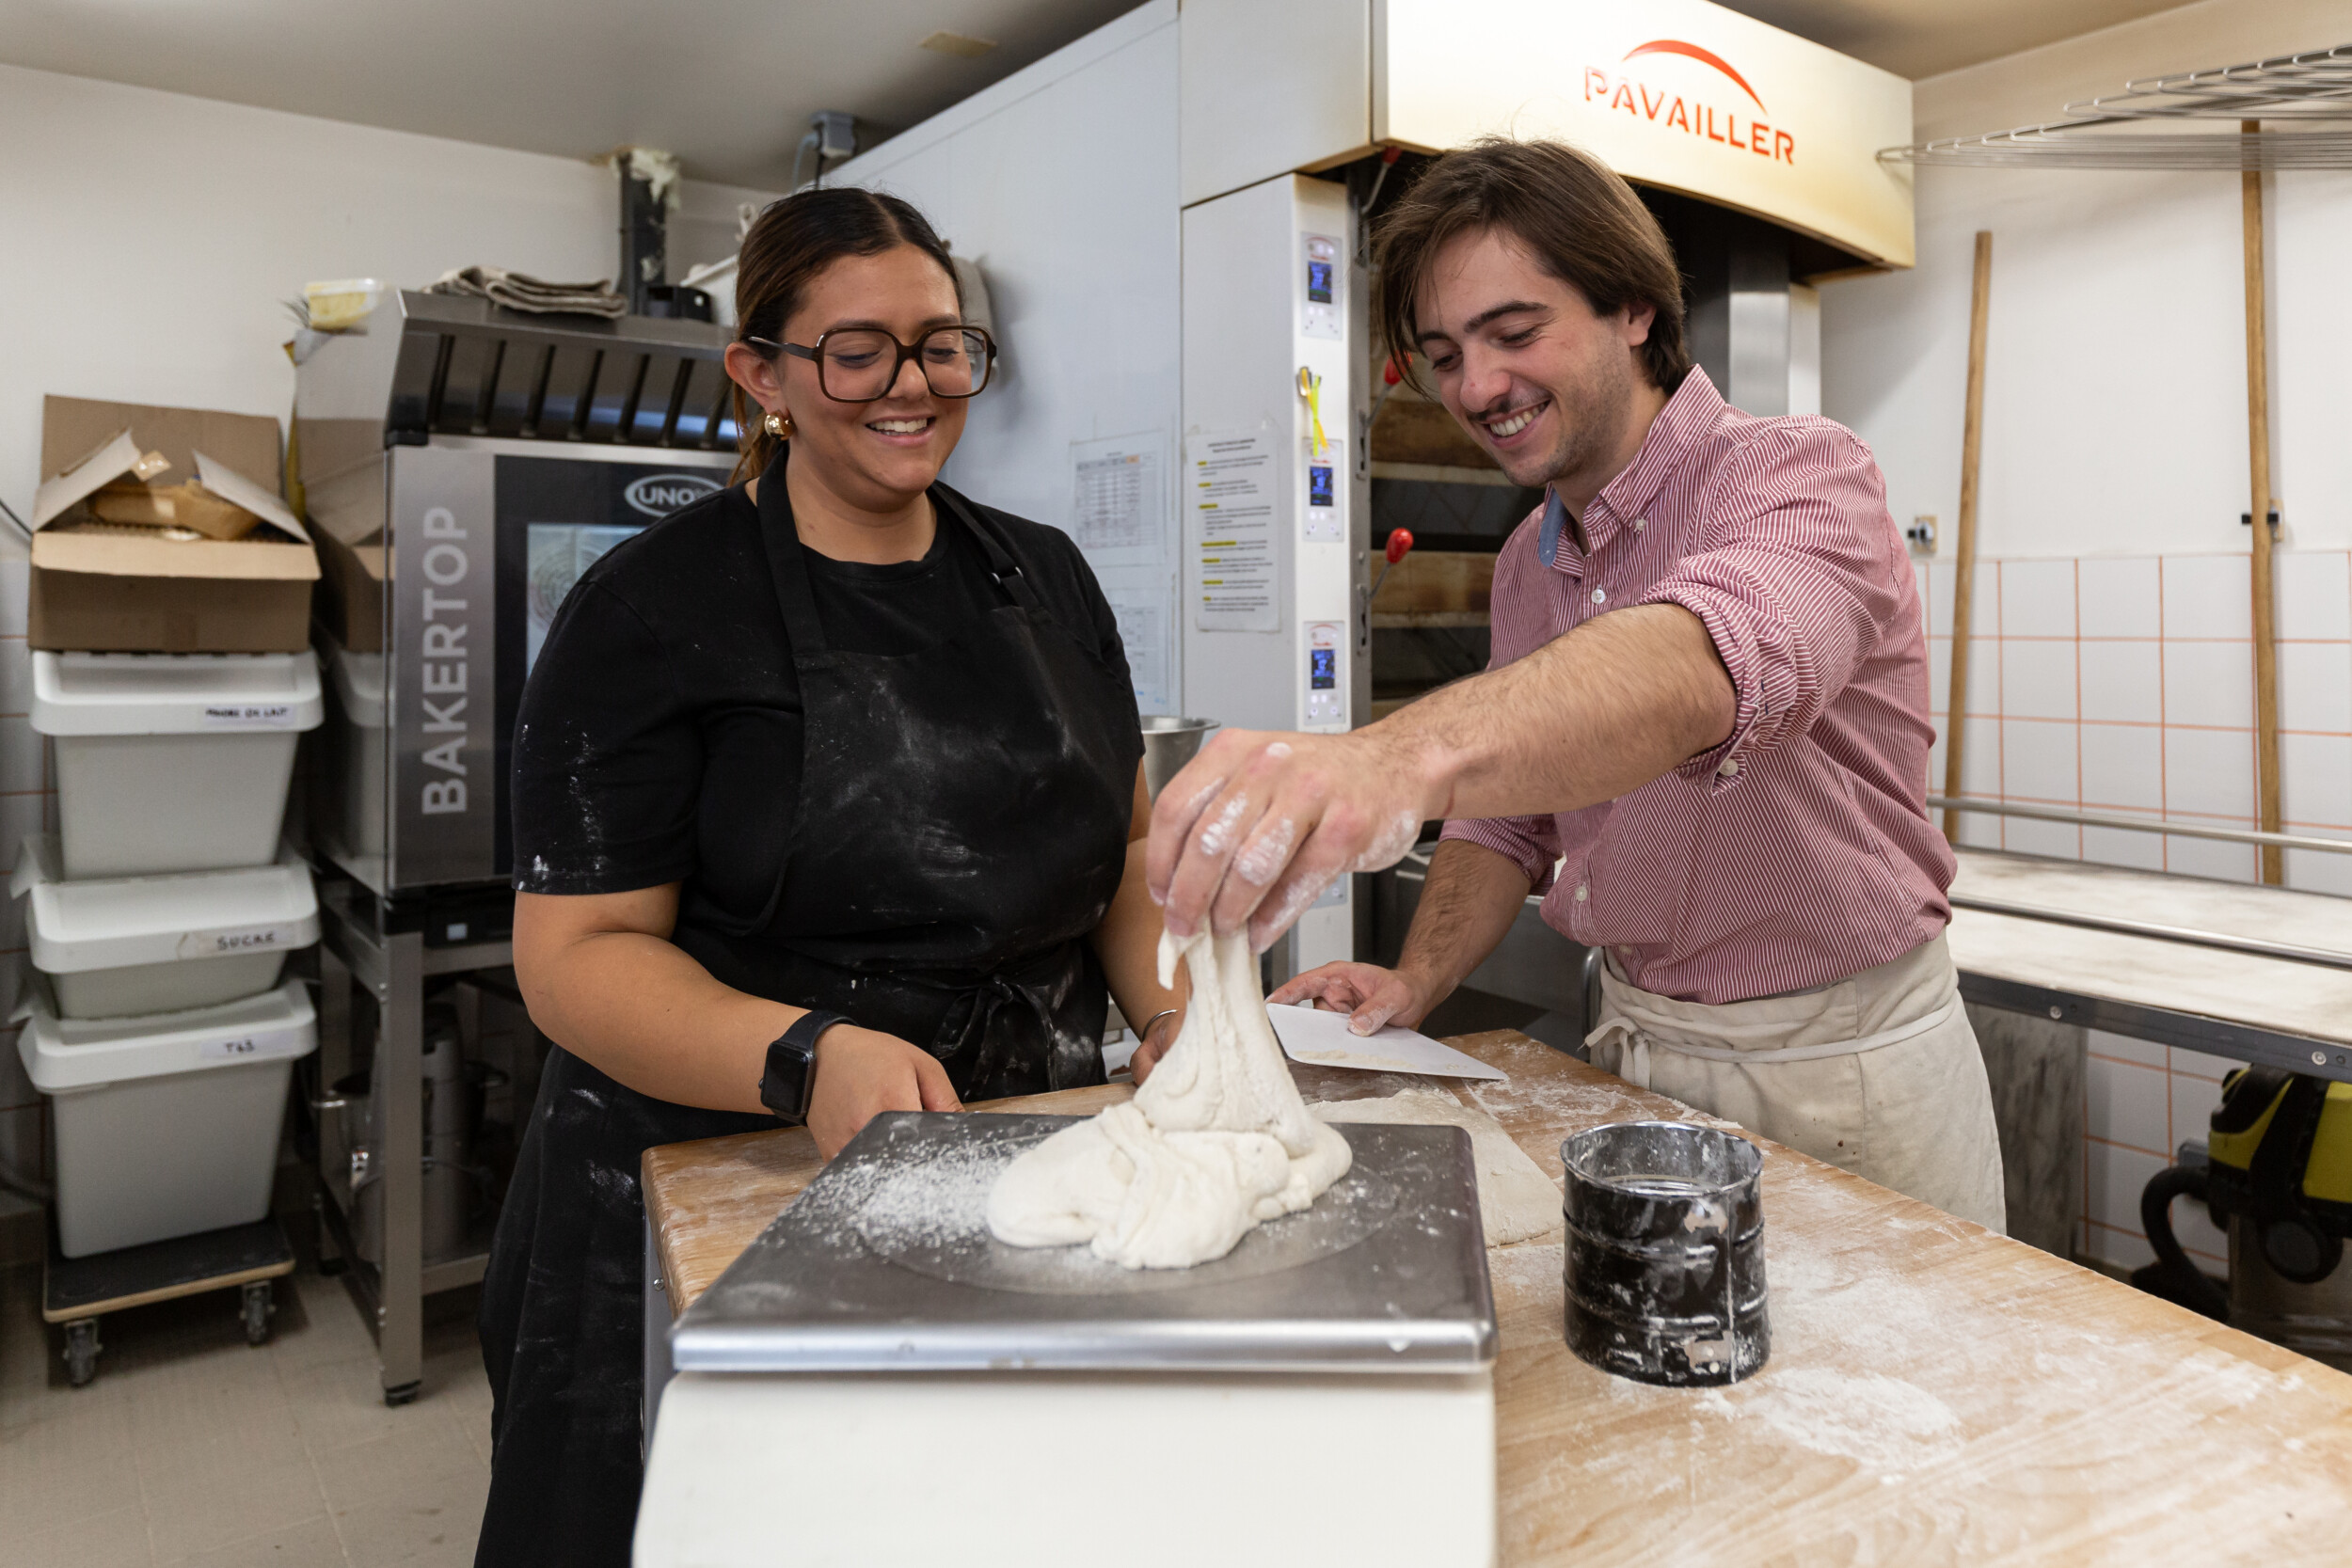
(1579, 219)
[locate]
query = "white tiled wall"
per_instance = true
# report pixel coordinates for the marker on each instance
(2127, 686)
(2141, 1102)
(26, 806)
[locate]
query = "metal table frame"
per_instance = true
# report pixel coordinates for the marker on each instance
(2216, 1036)
(355, 958)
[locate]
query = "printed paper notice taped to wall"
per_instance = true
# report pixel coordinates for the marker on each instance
(1142, 602)
(1117, 498)
(1230, 506)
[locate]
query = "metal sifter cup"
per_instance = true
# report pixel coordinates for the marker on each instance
(1666, 1253)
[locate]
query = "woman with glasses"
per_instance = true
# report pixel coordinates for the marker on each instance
(827, 802)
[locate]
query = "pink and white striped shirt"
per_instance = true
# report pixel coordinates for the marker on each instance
(1799, 851)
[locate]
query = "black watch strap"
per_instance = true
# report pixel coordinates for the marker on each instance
(791, 1077)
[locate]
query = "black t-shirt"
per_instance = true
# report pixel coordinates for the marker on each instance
(659, 739)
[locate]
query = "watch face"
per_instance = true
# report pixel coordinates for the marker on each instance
(784, 1087)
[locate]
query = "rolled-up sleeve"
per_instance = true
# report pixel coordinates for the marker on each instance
(1530, 843)
(1794, 581)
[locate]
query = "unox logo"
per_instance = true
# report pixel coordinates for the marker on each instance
(658, 494)
(1619, 91)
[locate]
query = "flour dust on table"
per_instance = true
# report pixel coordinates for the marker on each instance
(1216, 1141)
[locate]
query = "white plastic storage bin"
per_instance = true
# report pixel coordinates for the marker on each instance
(123, 945)
(356, 770)
(164, 1126)
(172, 762)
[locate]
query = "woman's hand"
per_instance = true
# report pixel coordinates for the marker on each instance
(1156, 1039)
(864, 1073)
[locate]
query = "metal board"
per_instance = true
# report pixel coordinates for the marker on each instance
(885, 1265)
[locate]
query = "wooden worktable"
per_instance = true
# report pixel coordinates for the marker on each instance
(1935, 1394)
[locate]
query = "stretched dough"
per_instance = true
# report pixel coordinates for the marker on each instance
(1216, 1142)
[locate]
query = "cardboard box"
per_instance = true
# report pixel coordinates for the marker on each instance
(100, 587)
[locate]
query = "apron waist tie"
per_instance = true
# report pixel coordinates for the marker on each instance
(1639, 1044)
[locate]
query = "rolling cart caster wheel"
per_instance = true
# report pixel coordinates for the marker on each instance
(258, 1307)
(404, 1393)
(81, 1352)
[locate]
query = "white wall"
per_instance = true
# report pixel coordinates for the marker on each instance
(2112, 661)
(2115, 383)
(152, 237)
(1061, 180)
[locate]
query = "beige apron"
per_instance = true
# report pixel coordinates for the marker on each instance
(1879, 1074)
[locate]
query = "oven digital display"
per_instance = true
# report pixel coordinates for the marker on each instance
(1319, 282)
(1318, 484)
(1323, 669)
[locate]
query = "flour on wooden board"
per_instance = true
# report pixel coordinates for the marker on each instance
(1215, 1143)
(1516, 1201)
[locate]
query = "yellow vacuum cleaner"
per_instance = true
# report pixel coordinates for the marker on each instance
(2277, 1174)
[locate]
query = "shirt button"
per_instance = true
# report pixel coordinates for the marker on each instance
(1582, 893)
(1730, 769)
(1600, 596)
(1640, 523)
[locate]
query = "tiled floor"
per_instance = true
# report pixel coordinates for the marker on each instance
(192, 1448)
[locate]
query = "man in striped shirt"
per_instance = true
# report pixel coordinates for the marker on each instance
(1704, 734)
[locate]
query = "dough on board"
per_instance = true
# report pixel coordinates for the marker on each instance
(1516, 1201)
(1216, 1142)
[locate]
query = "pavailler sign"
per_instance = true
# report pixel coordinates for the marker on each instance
(1675, 93)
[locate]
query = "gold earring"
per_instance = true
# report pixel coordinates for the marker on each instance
(778, 425)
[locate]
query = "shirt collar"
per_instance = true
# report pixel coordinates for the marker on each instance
(1694, 410)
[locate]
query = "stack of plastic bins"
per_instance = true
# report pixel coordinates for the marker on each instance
(160, 919)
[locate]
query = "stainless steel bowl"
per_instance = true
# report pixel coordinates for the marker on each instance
(1169, 743)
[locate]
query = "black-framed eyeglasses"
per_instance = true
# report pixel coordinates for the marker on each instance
(861, 364)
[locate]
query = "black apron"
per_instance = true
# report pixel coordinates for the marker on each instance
(985, 784)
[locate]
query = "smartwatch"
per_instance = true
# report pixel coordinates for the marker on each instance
(785, 1086)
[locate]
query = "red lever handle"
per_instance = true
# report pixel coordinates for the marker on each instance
(1392, 373)
(1400, 544)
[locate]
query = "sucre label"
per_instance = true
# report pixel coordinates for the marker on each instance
(241, 939)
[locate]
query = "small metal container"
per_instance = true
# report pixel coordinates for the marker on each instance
(1666, 1253)
(1169, 741)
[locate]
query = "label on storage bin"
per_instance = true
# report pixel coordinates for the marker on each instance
(233, 940)
(260, 1046)
(248, 716)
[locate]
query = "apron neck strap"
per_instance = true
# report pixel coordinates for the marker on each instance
(1001, 564)
(789, 568)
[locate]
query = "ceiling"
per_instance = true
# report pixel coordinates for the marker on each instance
(1927, 38)
(729, 84)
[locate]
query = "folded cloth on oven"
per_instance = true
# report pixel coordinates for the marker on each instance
(520, 292)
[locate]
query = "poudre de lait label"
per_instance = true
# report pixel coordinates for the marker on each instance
(248, 716)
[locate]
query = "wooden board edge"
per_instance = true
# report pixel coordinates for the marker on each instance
(168, 1293)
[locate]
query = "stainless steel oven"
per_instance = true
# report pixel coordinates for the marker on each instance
(462, 465)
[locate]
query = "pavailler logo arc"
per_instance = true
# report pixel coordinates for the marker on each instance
(1735, 127)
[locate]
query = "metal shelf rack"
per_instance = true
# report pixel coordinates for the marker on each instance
(360, 960)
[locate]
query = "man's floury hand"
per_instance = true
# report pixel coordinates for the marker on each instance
(1369, 995)
(1257, 826)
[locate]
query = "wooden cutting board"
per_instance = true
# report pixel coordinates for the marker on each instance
(1936, 1394)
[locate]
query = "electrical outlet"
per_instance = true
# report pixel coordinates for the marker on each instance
(1922, 534)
